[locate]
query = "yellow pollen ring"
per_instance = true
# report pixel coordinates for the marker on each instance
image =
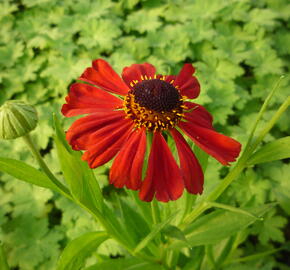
(145, 77)
(149, 119)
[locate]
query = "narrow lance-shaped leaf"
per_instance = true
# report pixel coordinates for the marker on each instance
(174, 232)
(75, 253)
(278, 149)
(218, 225)
(84, 186)
(133, 221)
(26, 173)
(127, 263)
(82, 182)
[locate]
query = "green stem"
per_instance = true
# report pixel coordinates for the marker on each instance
(261, 112)
(189, 201)
(201, 207)
(227, 181)
(249, 149)
(233, 209)
(63, 189)
(225, 252)
(198, 210)
(155, 212)
(3, 261)
(115, 233)
(172, 258)
(210, 256)
(272, 122)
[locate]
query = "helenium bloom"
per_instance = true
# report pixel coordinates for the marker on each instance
(121, 112)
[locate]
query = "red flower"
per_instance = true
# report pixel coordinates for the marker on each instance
(122, 112)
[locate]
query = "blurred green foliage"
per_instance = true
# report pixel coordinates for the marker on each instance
(239, 48)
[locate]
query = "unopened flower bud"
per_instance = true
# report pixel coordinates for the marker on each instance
(17, 119)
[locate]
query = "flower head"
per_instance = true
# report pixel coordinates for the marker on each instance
(123, 111)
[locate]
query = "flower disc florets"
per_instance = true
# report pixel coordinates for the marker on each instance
(154, 104)
(156, 95)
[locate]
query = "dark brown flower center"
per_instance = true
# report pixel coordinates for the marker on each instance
(156, 95)
(154, 104)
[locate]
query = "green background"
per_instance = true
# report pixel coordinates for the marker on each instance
(239, 47)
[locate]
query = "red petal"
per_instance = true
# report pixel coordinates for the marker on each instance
(190, 168)
(135, 71)
(106, 143)
(80, 132)
(163, 177)
(188, 85)
(102, 75)
(127, 166)
(169, 78)
(198, 114)
(84, 98)
(221, 147)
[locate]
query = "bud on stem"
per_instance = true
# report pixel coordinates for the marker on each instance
(17, 119)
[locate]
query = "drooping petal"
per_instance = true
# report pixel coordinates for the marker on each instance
(106, 143)
(190, 167)
(128, 164)
(103, 75)
(186, 83)
(221, 147)
(135, 71)
(196, 113)
(163, 177)
(81, 130)
(84, 99)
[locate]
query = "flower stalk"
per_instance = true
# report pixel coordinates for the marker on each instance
(32, 147)
(242, 162)
(155, 212)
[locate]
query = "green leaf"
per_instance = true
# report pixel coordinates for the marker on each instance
(270, 228)
(265, 17)
(85, 188)
(133, 221)
(278, 149)
(218, 225)
(75, 253)
(233, 209)
(79, 176)
(283, 196)
(173, 232)
(196, 259)
(99, 33)
(3, 262)
(156, 229)
(26, 173)
(144, 207)
(127, 263)
(143, 20)
(31, 242)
